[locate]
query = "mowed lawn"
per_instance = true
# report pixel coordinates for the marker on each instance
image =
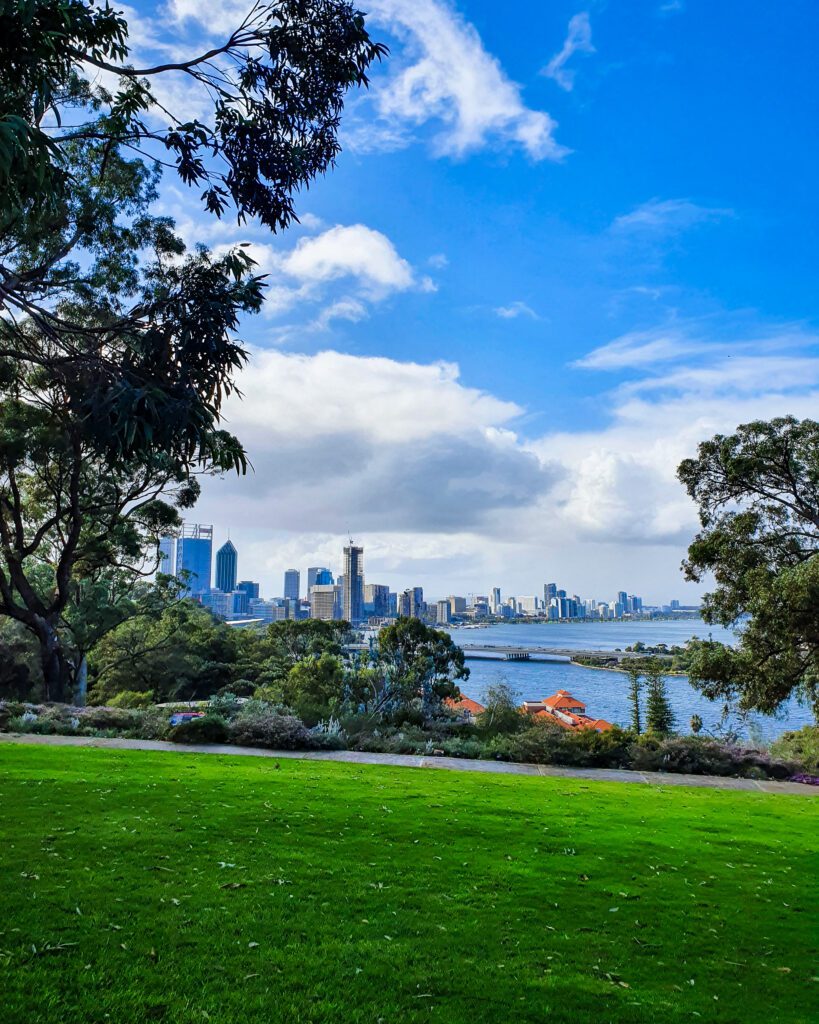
(181, 887)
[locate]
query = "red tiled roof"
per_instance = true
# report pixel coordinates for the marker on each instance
(466, 704)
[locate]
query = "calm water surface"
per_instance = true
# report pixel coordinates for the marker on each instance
(605, 693)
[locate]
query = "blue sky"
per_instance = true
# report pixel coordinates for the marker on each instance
(564, 242)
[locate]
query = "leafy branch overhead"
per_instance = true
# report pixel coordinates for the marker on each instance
(274, 89)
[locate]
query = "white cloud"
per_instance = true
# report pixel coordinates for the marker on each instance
(445, 74)
(350, 251)
(365, 443)
(438, 260)
(666, 216)
(578, 40)
(353, 254)
(515, 310)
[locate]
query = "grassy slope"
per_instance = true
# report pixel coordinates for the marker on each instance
(393, 895)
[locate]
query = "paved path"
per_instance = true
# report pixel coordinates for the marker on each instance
(414, 761)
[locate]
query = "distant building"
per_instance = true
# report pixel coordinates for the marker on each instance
(325, 601)
(457, 605)
(405, 604)
(220, 604)
(167, 555)
(528, 605)
(566, 711)
(443, 614)
(194, 553)
(353, 587)
(496, 600)
(318, 574)
(377, 599)
(549, 593)
(249, 587)
(227, 560)
(292, 585)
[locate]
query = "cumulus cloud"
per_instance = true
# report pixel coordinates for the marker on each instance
(340, 441)
(353, 255)
(578, 40)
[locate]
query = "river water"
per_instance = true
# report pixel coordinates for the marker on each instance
(603, 692)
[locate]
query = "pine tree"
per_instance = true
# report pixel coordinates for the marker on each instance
(659, 716)
(635, 674)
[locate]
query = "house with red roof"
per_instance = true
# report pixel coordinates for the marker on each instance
(465, 708)
(566, 711)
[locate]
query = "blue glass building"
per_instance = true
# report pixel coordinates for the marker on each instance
(194, 555)
(227, 562)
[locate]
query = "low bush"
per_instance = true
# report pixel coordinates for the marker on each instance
(259, 724)
(152, 724)
(801, 745)
(132, 699)
(694, 755)
(120, 719)
(547, 743)
(207, 729)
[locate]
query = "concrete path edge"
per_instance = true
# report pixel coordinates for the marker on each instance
(416, 761)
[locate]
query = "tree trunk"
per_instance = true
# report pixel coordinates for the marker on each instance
(55, 665)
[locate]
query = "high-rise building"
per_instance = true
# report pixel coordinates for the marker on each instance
(167, 555)
(442, 610)
(496, 600)
(457, 605)
(325, 601)
(249, 587)
(318, 574)
(405, 604)
(292, 585)
(227, 560)
(353, 588)
(622, 599)
(194, 554)
(377, 599)
(219, 603)
(549, 592)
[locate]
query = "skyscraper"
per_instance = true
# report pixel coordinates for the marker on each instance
(318, 574)
(194, 555)
(167, 555)
(227, 561)
(549, 591)
(292, 585)
(496, 600)
(250, 587)
(325, 601)
(353, 583)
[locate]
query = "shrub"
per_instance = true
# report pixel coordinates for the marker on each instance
(151, 724)
(207, 729)
(119, 719)
(801, 745)
(260, 725)
(694, 755)
(132, 699)
(224, 705)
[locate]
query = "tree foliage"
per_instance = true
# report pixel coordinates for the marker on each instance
(420, 662)
(118, 348)
(758, 496)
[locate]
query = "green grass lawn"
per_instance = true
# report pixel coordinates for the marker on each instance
(182, 887)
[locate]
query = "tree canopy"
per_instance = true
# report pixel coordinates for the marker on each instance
(758, 496)
(117, 347)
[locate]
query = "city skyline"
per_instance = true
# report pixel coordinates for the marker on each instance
(351, 599)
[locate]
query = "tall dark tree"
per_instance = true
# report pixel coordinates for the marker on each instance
(758, 497)
(634, 672)
(659, 714)
(117, 349)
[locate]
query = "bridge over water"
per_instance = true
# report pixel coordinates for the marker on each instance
(504, 652)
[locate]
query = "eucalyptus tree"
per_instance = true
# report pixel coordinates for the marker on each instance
(758, 496)
(117, 347)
